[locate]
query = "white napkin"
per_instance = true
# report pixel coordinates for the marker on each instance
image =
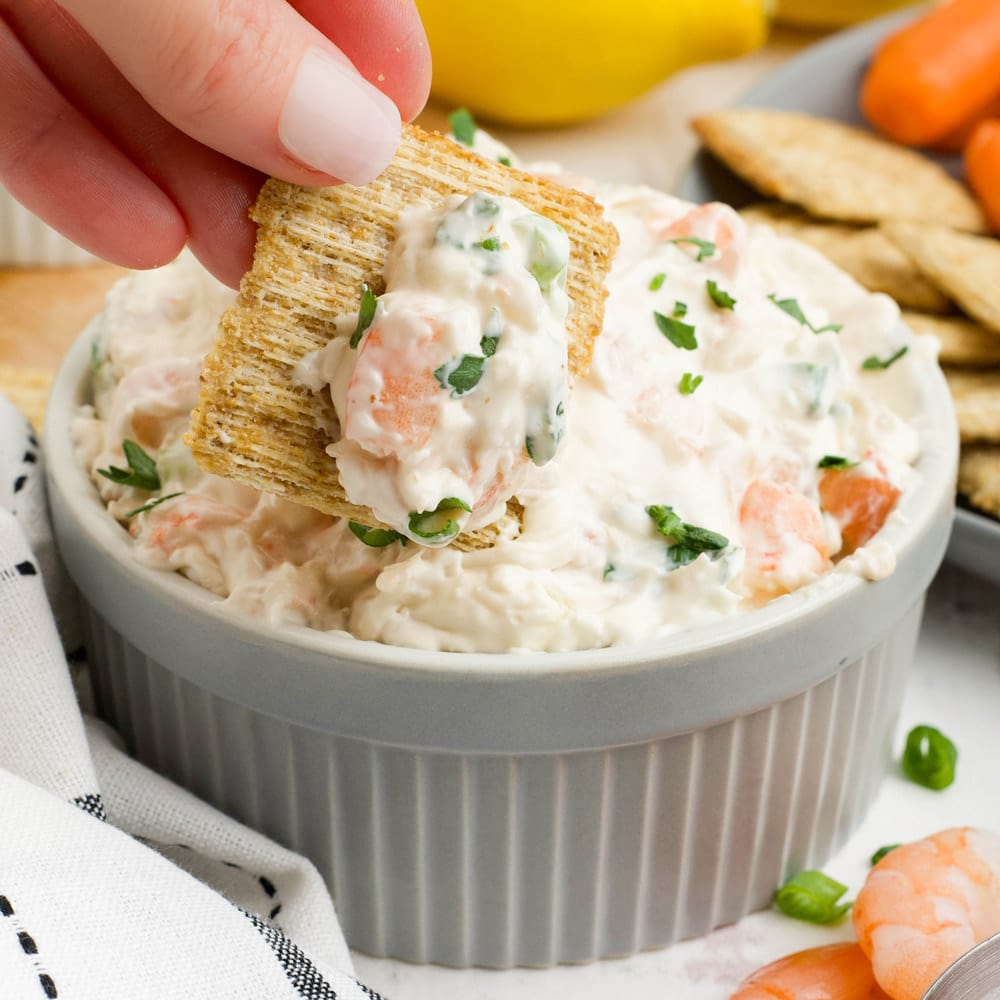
(115, 883)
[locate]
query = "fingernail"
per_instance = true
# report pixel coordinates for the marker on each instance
(335, 121)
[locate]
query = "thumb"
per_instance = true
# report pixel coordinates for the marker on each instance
(252, 79)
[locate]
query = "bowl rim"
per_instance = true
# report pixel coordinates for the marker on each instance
(810, 618)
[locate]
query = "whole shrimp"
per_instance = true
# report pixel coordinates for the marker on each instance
(922, 907)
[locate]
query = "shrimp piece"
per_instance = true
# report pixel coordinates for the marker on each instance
(858, 502)
(927, 903)
(714, 222)
(784, 539)
(830, 972)
(394, 399)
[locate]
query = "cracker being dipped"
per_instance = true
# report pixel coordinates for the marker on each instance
(317, 248)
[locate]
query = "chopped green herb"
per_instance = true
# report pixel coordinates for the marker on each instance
(722, 299)
(141, 471)
(793, 309)
(679, 334)
(608, 570)
(488, 345)
(687, 541)
(689, 383)
(560, 409)
(152, 504)
(377, 538)
(436, 525)
(504, 161)
(882, 852)
(463, 126)
(366, 313)
(463, 377)
(874, 363)
(656, 283)
(835, 462)
(705, 247)
(491, 243)
(929, 758)
(812, 896)
(95, 356)
(680, 310)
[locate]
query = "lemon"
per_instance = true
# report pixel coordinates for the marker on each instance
(833, 13)
(548, 62)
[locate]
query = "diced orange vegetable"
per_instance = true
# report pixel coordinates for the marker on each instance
(936, 73)
(982, 169)
(859, 503)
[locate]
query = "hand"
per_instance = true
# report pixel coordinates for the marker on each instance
(136, 126)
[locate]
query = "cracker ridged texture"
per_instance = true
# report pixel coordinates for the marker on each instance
(835, 171)
(864, 252)
(315, 248)
(963, 266)
(963, 342)
(979, 477)
(976, 395)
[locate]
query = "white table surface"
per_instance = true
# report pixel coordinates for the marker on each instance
(955, 684)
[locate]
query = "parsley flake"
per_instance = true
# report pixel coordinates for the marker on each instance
(680, 310)
(793, 309)
(463, 126)
(689, 383)
(679, 334)
(504, 161)
(874, 363)
(705, 247)
(835, 462)
(152, 504)
(377, 538)
(882, 852)
(463, 377)
(366, 313)
(491, 243)
(722, 299)
(141, 471)
(656, 282)
(687, 541)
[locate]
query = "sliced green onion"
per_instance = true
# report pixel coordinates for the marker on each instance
(656, 282)
(687, 541)
(929, 758)
(377, 538)
(608, 570)
(882, 852)
(689, 383)
(366, 313)
(141, 471)
(463, 126)
(873, 363)
(812, 896)
(722, 299)
(705, 247)
(436, 525)
(679, 334)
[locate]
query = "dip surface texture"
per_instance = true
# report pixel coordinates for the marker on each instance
(745, 426)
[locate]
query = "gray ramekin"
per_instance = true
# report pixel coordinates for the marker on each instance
(521, 809)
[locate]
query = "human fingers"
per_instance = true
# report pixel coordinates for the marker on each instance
(388, 45)
(212, 192)
(54, 161)
(252, 79)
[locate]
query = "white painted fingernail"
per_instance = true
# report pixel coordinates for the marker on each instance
(334, 120)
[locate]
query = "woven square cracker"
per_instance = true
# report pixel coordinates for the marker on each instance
(315, 247)
(864, 252)
(963, 266)
(976, 395)
(835, 171)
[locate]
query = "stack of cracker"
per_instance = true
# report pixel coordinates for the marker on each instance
(899, 224)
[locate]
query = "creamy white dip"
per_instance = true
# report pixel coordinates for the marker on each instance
(687, 486)
(454, 382)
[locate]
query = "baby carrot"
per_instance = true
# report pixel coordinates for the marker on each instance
(982, 168)
(936, 73)
(955, 141)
